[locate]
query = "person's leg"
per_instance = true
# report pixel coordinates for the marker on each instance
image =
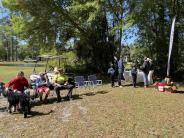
(145, 77)
(41, 95)
(47, 92)
(151, 77)
(147, 80)
(70, 89)
(135, 81)
(57, 89)
(119, 76)
(112, 80)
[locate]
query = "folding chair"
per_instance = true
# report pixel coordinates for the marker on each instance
(93, 81)
(80, 82)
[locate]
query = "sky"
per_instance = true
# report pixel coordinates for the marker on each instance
(3, 13)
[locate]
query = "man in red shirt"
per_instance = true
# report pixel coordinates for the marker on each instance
(18, 83)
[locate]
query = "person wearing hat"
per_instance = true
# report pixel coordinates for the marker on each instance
(145, 69)
(61, 83)
(42, 86)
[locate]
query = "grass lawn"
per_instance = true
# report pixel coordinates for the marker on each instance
(7, 72)
(108, 113)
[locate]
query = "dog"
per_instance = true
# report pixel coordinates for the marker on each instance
(18, 98)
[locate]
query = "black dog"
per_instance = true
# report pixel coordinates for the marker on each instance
(16, 98)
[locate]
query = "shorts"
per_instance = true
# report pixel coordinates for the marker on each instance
(42, 89)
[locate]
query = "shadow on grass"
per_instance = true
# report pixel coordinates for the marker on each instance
(3, 109)
(52, 100)
(139, 84)
(180, 92)
(35, 113)
(94, 93)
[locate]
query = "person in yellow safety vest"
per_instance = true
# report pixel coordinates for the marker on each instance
(61, 83)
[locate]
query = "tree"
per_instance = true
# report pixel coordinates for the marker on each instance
(24, 52)
(3, 52)
(153, 20)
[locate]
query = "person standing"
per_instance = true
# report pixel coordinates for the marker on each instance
(145, 69)
(111, 73)
(151, 71)
(120, 71)
(134, 75)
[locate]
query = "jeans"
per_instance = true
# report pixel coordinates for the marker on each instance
(145, 77)
(150, 78)
(63, 87)
(120, 76)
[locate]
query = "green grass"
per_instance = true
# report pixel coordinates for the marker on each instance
(109, 112)
(7, 72)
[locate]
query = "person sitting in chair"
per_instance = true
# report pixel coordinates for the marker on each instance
(42, 86)
(60, 83)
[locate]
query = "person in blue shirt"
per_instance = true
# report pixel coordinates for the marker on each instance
(134, 75)
(111, 73)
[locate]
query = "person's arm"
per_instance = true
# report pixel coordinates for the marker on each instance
(10, 83)
(143, 66)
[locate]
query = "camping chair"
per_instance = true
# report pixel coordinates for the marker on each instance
(93, 81)
(80, 82)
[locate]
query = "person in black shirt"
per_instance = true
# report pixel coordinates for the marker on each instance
(134, 75)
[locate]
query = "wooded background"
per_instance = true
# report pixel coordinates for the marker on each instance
(92, 32)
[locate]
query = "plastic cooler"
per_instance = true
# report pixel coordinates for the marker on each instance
(161, 87)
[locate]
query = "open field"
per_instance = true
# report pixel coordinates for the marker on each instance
(7, 72)
(109, 112)
(106, 112)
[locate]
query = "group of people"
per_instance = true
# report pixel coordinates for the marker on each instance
(147, 69)
(42, 85)
(119, 69)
